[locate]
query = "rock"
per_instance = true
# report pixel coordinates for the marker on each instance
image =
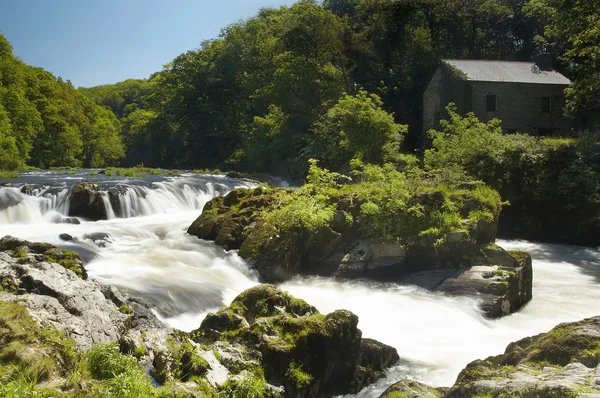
(411, 389)
(86, 201)
(58, 219)
(100, 239)
(27, 252)
(503, 281)
(306, 353)
(65, 237)
(55, 296)
(463, 262)
(564, 362)
(376, 355)
(221, 223)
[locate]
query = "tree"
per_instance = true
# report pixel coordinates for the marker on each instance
(572, 29)
(361, 129)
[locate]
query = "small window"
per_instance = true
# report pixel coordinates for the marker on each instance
(585, 120)
(546, 105)
(490, 102)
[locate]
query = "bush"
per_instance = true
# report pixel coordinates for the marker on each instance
(552, 184)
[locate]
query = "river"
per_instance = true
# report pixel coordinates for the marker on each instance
(150, 255)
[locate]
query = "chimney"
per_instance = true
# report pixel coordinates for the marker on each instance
(543, 61)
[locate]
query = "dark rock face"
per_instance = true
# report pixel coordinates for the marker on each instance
(309, 354)
(86, 201)
(466, 263)
(564, 362)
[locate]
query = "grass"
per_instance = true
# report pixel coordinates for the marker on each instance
(8, 174)
(298, 376)
(139, 171)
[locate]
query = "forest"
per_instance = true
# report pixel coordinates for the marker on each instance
(275, 90)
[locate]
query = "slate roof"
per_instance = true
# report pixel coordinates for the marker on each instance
(506, 71)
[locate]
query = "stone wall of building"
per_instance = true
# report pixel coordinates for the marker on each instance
(519, 106)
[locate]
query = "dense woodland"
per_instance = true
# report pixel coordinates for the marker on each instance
(275, 90)
(337, 82)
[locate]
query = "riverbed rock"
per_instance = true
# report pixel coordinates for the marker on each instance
(55, 295)
(502, 281)
(564, 362)
(464, 262)
(86, 201)
(411, 389)
(297, 348)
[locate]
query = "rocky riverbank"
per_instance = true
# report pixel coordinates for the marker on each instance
(266, 342)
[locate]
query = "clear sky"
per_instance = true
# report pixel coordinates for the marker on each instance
(92, 42)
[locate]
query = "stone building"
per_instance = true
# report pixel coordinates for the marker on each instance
(527, 96)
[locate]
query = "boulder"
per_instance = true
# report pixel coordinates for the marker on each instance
(55, 295)
(297, 348)
(86, 201)
(564, 362)
(411, 389)
(502, 281)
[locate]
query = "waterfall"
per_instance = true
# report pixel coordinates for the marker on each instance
(47, 203)
(165, 197)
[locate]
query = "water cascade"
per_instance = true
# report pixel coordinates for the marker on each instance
(150, 255)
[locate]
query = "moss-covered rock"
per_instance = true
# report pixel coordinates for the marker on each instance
(411, 389)
(561, 363)
(343, 233)
(27, 252)
(225, 219)
(307, 353)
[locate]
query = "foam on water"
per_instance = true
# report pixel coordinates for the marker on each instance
(152, 256)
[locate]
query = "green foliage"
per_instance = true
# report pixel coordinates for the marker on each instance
(105, 361)
(46, 122)
(549, 182)
(245, 385)
(298, 376)
(138, 171)
(281, 77)
(571, 30)
(413, 207)
(357, 127)
(9, 174)
(125, 309)
(306, 208)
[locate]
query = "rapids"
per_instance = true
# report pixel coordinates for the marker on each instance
(150, 255)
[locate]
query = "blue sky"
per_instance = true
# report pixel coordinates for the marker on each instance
(92, 42)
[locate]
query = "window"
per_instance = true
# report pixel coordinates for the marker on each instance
(546, 105)
(490, 102)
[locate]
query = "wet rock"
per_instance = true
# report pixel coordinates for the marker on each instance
(65, 237)
(58, 219)
(100, 239)
(86, 201)
(306, 353)
(503, 281)
(411, 389)
(561, 363)
(376, 355)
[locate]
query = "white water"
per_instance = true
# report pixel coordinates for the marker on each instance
(184, 278)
